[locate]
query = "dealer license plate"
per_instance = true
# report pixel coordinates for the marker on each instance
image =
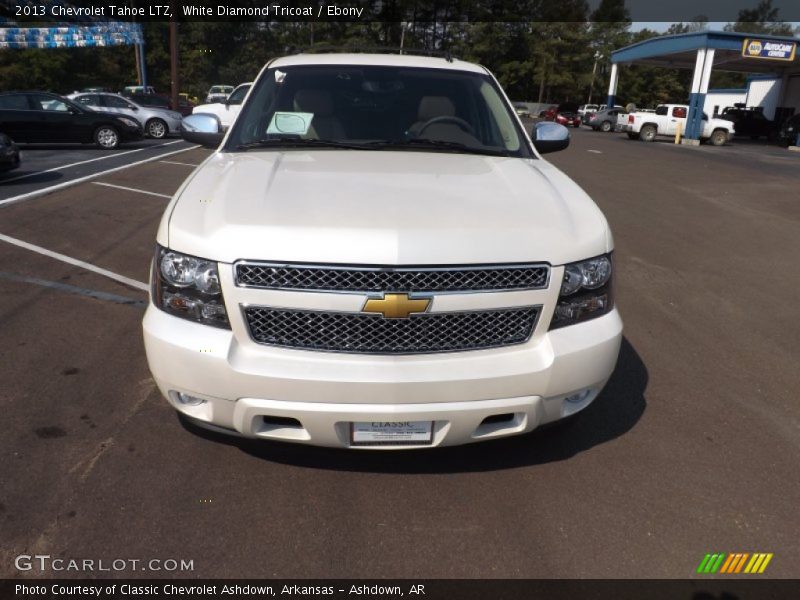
(395, 433)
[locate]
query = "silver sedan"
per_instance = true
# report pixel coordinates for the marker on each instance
(157, 122)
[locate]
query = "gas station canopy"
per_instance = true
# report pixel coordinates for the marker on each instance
(721, 50)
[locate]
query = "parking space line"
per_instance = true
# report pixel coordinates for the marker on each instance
(83, 162)
(130, 189)
(73, 289)
(71, 182)
(595, 151)
(78, 263)
(174, 162)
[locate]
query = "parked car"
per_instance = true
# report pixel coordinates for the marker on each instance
(665, 120)
(227, 111)
(150, 100)
(9, 154)
(42, 117)
(218, 93)
(158, 122)
(549, 113)
(789, 133)
(323, 320)
(606, 120)
(587, 108)
(130, 90)
(567, 114)
(568, 119)
(564, 114)
(522, 110)
(749, 122)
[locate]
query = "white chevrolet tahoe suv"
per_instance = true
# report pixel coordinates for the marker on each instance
(376, 256)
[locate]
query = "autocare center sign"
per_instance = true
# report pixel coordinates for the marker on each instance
(769, 49)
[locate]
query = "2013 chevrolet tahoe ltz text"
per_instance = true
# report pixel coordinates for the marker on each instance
(377, 256)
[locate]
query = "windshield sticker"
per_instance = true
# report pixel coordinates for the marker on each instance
(291, 123)
(280, 76)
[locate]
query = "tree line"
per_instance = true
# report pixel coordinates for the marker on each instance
(536, 61)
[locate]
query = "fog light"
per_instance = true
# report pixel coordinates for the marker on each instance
(579, 397)
(577, 402)
(188, 400)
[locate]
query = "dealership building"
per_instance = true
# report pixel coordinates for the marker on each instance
(771, 61)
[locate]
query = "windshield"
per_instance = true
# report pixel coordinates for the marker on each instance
(378, 107)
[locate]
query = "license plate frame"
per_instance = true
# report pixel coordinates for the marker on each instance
(381, 433)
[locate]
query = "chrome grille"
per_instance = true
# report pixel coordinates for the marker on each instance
(391, 279)
(368, 333)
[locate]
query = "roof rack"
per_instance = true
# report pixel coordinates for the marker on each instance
(318, 48)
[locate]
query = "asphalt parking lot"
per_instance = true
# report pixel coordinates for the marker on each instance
(46, 166)
(692, 448)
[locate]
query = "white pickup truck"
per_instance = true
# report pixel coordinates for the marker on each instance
(646, 126)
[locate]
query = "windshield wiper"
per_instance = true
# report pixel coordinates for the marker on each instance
(297, 143)
(436, 145)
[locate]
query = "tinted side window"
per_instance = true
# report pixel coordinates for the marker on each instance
(88, 100)
(661, 110)
(14, 102)
(41, 102)
(115, 102)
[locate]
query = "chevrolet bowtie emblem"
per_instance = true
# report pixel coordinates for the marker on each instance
(396, 306)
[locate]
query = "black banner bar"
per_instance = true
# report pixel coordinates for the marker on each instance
(733, 588)
(81, 11)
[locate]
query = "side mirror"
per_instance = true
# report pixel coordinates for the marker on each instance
(202, 129)
(132, 107)
(549, 137)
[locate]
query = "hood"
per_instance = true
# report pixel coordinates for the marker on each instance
(383, 208)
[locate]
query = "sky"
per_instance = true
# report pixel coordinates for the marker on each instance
(662, 26)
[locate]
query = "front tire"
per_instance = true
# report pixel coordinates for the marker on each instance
(106, 137)
(648, 133)
(605, 127)
(156, 128)
(719, 137)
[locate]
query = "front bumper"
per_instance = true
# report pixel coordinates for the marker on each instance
(242, 383)
(131, 134)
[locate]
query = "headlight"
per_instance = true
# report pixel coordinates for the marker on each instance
(188, 287)
(586, 292)
(128, 122)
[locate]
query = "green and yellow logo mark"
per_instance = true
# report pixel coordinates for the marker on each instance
(741, 562)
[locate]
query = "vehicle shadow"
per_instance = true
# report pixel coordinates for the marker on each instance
(615, 412)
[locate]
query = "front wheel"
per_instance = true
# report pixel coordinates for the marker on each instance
(719, 137)
(605, 127)
(648, 133)
(156, 128)
(106, 137)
